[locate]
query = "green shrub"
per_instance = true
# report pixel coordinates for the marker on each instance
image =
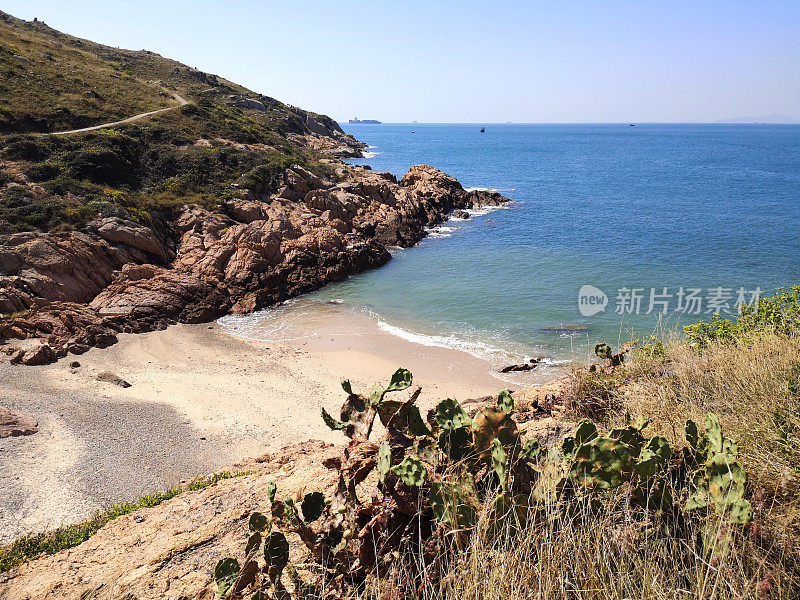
(778, 315)
(26, 148)
(43, 171)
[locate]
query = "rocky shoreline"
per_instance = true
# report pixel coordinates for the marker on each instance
(65, 292)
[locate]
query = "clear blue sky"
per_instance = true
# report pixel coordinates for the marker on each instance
(464, 61)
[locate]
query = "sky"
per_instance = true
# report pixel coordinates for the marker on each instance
(465, 61)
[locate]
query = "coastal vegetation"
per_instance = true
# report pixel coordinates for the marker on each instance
(134, 170)
(684, 485)
(226, 141)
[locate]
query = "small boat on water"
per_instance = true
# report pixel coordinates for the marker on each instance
(483, 129)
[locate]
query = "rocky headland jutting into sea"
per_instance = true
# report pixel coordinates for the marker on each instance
(84, 287)
(115, 275)
(230, 202)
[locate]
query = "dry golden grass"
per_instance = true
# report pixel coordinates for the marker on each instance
(602, 552)
(746, 385)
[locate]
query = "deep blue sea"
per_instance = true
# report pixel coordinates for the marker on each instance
(673, 223)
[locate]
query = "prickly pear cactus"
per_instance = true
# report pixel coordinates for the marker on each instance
(258, 521)
(384, 459)
(720, 479)
(630, 435)
(603, 350)
(225, 573)
(411, 471)
(491, 423)
(358, 413)
(401, 379)
(452, 423)
(653, 456)
(312, 506)
(500, 463)
(449, 415)
(602, 462)
(453, 501)
(584, 432)
(531, 450)
(403, 417)
(455, 443)
(276, 554)
(505, 402)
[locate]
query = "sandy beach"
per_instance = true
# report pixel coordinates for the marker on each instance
(200, 400)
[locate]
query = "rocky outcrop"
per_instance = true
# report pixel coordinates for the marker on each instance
(13, 423)
(73, 266)
(80, 289)
(341, 145)
(169, 551)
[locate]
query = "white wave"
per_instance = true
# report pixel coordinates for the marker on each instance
(485, 210)
(368, 154)
(486, 189)
(476, 349)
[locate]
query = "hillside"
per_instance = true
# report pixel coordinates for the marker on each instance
(225, 200)
(54, 81)
(197, 153)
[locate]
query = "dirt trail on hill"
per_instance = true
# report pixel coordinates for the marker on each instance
(181, 102)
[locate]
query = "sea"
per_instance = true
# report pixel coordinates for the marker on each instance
(614, 232)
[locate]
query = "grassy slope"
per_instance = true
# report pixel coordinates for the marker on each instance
(52, 81)
(50, 182)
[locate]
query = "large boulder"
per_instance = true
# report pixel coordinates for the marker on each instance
(131, 234)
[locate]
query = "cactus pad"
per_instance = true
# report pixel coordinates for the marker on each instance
(312, 506)
(505, 402)
(602, 463)
(225, 573)
(276, 554)
(411, 471)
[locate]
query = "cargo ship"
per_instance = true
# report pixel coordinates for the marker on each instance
(357, 121)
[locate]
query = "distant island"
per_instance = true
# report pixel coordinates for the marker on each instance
(771, 119)
(357, 121)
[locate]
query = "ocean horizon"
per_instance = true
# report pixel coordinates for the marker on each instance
(357, 126)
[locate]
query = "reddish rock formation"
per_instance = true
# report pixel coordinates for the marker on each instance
(80, 289)
(16, 423)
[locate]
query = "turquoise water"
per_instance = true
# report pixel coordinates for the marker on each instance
(612, 206)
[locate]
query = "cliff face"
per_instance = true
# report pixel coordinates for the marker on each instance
(80, 288)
